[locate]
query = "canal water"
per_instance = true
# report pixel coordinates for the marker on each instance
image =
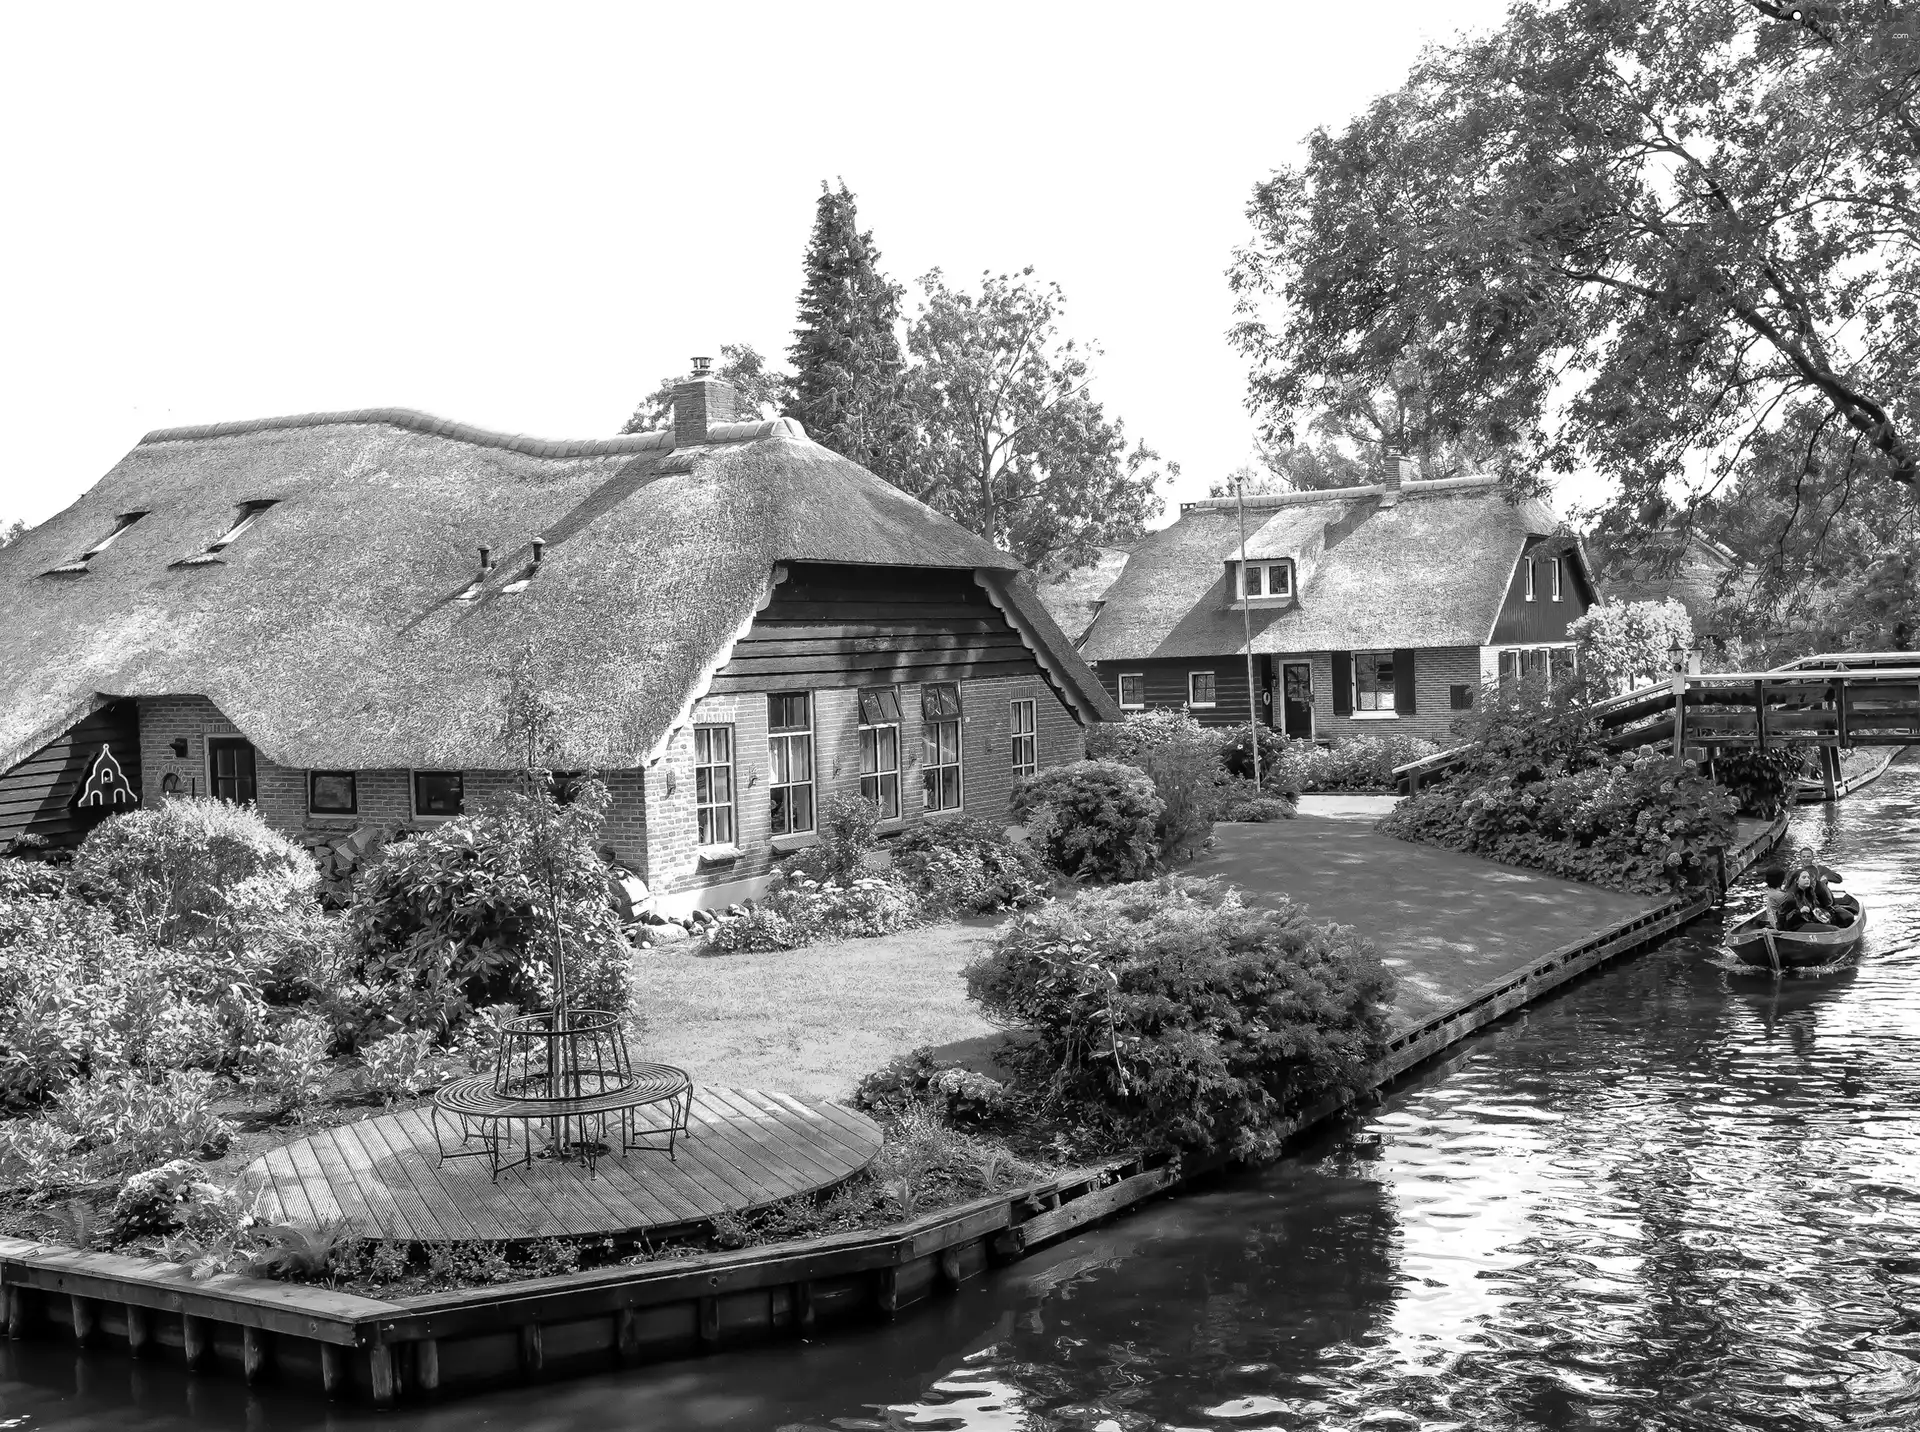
(1671, 1197)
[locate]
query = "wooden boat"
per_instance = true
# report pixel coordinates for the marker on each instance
(1799, 949)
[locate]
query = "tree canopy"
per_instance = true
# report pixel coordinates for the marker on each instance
(1008, 441)
(11, 530)
(1674, 240)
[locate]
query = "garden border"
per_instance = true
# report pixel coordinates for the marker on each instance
(428, 1346)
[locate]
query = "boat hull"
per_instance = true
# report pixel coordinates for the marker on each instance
(1797, 949)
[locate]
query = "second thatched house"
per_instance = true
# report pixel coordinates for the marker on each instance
(321, 615)
(1371, 609)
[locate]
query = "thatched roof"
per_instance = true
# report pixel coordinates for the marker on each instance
(1074, 597)
(1665, 566)
(1431, 569)
(348, 626)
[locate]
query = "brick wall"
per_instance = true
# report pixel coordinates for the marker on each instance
(1436, 670)
(384, 797)
(674, 864)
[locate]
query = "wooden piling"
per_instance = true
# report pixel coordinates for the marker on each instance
(86, 1320)
(196, 1341)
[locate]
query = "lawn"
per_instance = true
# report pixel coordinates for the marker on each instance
(812, 1020)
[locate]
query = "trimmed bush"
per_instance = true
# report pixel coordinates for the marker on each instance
(458, 916)
(1131, 738)
(1240, 800)
(1172, 1015)
(963, 866)
(1353, 763)
(849, 831)
(1095, 820)
(1187, 776)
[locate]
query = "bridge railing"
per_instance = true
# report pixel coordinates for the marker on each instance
(1874, 700)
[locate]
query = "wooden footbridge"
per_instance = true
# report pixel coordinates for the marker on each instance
(1829, 702)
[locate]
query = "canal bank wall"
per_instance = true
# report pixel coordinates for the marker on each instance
(448, 1344)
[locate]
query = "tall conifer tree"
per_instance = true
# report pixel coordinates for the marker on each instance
(846, 352)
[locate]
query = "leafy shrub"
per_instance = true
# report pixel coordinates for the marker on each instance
(849, 830)
(1141, 732)
(189, 871)
(960, 865)
(760, 929)
(1646, 823)
(1240, 800)
(1173, 1015)
(1236, 754)
(1095, 820)
(459, 916)
(1353, 763)
(1187, 775)
(111, 1121)
(961, 1096)
(287, 1072)
(1760, 782)
(302, 1255)
(173, 1198)
(399, 1066)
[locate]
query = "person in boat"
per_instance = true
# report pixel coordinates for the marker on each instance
(1781, 901)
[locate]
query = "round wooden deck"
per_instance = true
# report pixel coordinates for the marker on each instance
(384, 1177)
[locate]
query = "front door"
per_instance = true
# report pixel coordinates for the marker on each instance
(230, 769)
(1296, 700)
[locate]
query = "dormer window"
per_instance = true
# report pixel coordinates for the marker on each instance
(120, 524)
(244, 517)
(1266, 581)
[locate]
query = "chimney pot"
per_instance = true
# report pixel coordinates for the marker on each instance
(486, 559)
(702, 367)
(539, 550)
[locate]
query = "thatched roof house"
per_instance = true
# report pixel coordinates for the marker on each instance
(1390, 603)
(349, 593)
(1692, 569)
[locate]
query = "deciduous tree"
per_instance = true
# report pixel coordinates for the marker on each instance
(1008, 439)
(1675, 240)
(1623, 642)
(10, 530)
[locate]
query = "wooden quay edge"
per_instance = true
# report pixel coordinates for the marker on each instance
(428, 1346)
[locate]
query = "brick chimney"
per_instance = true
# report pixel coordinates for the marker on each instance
(701, 403)
(1400, 469)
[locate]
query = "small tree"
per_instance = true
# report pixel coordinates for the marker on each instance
(1623, 641)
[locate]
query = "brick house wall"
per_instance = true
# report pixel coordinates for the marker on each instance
(384, 797)
(679, 876)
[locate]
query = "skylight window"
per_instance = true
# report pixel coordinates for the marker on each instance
(249, 513)
(244, 517)
(120, 524)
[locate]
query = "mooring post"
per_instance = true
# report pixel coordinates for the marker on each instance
(886, 1291)
(333, 1369)
(426, 1365)
(195, 1341)
(803, 1308)
(626, 1335)
(1830, 772)
(256, 1353)
(533, 1352)
(16, 1311)
(139, 1330)
(950, 1268)
(380, 1374)
(708, 1325)
(85, 1319)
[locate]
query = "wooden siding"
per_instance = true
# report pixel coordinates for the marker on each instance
(1542, 620)
(845, 626)
(1166, 684)
(36, 796)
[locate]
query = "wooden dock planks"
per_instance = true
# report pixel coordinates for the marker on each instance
(385, 1178)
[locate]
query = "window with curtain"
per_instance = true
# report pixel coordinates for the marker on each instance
(940, 735)
(1025, 740)
(1373, 681)
(713, 784)
(1133, 690)
(1200, 688)
(790, 754)
(880, 750)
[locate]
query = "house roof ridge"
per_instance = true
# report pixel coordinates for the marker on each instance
(1419, 487)
(413, 420)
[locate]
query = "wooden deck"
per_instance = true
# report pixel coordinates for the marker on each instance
(385, 1179)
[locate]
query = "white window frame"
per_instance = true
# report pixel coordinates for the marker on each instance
(1203, 705)
(1530, 592)
(702, 792)
(413, 793)
(786, 740)
(1121, 690)
(1023, 737)
(871, 744)
(1553, 579)
(315, 813)
(1375, 712)
(1266, 592)
(930, 766)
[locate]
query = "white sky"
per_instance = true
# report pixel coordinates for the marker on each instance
(522, 217)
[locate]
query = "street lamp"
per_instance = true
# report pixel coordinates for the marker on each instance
(1677, 657)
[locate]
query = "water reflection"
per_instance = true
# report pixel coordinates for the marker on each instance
(1675, 1197)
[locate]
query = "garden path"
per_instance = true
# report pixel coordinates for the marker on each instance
(1446, 923)
(384, 1176)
